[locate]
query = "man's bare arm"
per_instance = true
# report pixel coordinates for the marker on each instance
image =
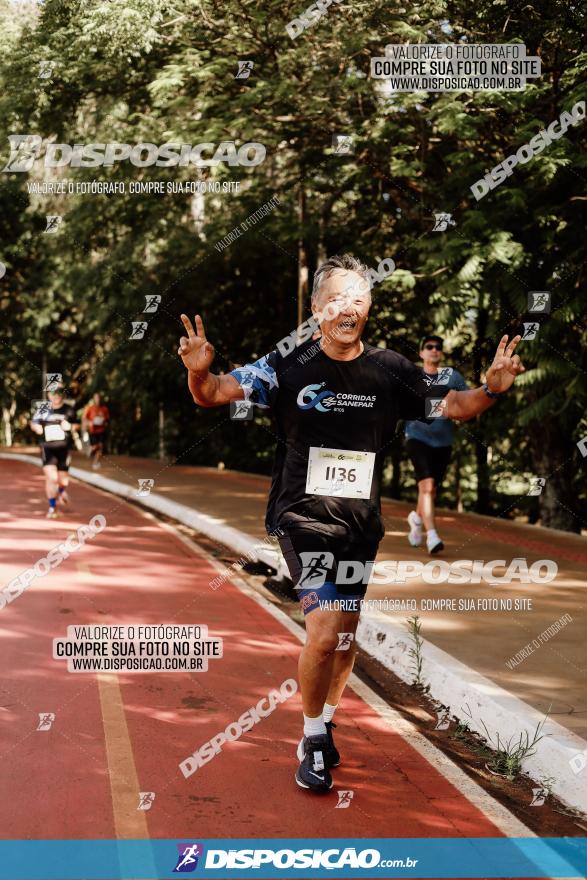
(213, 390)
(197, 354)
(463, 405)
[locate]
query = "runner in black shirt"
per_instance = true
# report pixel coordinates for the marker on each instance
(54, 423)
(336, 402)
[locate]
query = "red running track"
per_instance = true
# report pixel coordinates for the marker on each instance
(116, 735)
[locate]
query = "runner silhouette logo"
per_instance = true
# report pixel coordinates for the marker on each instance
(344, 799)
(53, 221)
(146, 799)
(53, 381)
(435, 408)
(244, 69)
(152, 302)
(46, 719)
(539, 301)
(187, 860)
(24, 149)
(241, 410)
(442, 221)
(315, 567)
(539, 796)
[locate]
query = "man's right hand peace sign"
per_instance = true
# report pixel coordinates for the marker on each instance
(195, 351)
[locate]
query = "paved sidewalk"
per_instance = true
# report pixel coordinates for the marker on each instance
(114, 735)
(554, 675)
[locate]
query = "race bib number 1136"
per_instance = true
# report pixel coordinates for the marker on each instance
(340, 472)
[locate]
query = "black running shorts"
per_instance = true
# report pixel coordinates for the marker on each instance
(429, 461)
(59, 456)
(335, 571)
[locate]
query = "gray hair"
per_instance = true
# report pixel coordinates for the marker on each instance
(346, 262)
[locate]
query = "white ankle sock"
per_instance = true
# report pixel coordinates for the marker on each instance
(417, 518)
(432, 537)
(314, 726)
(328, 711)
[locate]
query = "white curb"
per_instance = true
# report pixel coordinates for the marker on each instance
(465, 691)
(451, 682)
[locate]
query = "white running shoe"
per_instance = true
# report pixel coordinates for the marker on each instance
(434, 542)
(415, 524)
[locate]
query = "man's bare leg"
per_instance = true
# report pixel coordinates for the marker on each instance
(425, 509)
(343, 660)
(51, 487)
(316, 661)
(63, 480)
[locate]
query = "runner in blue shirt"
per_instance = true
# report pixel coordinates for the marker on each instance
(430, 445)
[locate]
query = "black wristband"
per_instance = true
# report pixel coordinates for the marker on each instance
(492, 394)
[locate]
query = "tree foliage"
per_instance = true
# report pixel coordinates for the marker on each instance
(133, 71)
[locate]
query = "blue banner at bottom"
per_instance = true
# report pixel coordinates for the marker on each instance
(225, 859)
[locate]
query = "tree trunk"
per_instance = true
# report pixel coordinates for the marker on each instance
(321, 254)
(44, 375)
(553, 455)
(482, 504)
(302, 257)
(161, 432)
(7, 415)
(458, 491)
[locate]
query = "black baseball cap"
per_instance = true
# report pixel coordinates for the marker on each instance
(431, 338)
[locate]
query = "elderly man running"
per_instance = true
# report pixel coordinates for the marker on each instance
(336, 402)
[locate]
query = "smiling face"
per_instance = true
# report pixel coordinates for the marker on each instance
(342, 307)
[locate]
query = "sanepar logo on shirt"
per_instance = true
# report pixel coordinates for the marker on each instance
(311, 397)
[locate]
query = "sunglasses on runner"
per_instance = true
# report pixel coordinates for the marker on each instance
(430, 346)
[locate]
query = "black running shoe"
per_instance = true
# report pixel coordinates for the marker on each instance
(313, 772)
(333, 756)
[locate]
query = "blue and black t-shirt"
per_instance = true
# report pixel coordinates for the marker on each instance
(319, 402)
(437, 432)
(50, 419)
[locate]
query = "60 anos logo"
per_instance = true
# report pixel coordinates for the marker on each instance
(311, 397)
